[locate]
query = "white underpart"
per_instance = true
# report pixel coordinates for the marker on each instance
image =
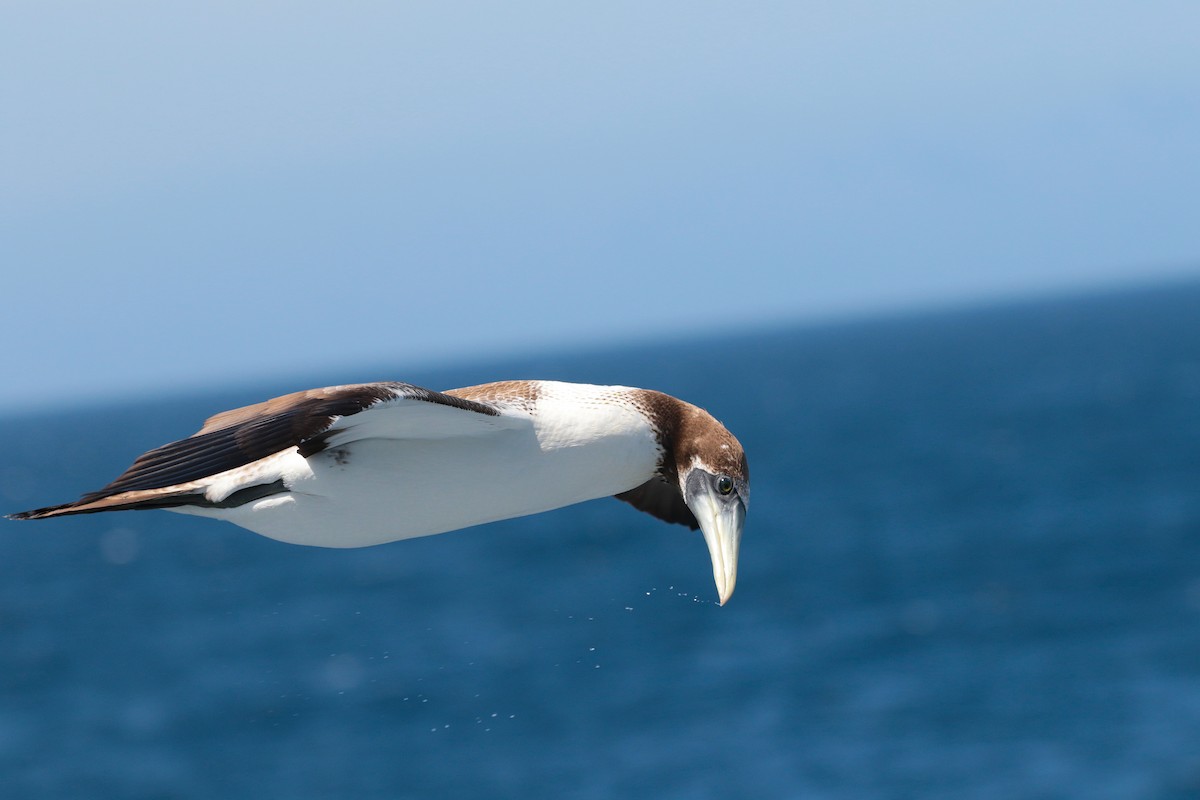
(287, 465)
(418, 468)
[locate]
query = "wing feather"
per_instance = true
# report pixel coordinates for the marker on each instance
(660, 498)
(308, 420)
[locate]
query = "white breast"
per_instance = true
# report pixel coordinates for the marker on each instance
(576, 443)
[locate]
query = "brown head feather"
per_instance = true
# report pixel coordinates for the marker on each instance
(689, 434)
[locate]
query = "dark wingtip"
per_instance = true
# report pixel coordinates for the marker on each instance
(36, 513)
(78, 506)
(41, 513)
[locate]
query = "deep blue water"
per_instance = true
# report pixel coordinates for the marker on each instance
(971, 569)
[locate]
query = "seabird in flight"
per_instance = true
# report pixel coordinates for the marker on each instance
(368, 463)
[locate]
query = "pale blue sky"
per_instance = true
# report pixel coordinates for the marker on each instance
(201, 195)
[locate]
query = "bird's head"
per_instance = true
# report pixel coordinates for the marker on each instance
(714, 479)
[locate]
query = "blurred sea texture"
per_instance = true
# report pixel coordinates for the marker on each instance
(971, 569)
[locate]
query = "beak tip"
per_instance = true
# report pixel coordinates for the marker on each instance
(724, 592)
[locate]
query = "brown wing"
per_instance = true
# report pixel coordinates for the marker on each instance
(660, 498)
(242, 436)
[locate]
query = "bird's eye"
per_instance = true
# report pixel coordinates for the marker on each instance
(724, 484)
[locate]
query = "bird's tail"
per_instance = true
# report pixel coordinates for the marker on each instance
(125, 501)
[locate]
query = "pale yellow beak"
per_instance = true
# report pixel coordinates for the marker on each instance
(721, 525)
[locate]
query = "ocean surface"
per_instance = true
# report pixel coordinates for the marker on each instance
(971, 568)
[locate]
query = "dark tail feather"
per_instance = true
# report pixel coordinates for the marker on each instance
(146, 499)
(42, 513)
(114, 503)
